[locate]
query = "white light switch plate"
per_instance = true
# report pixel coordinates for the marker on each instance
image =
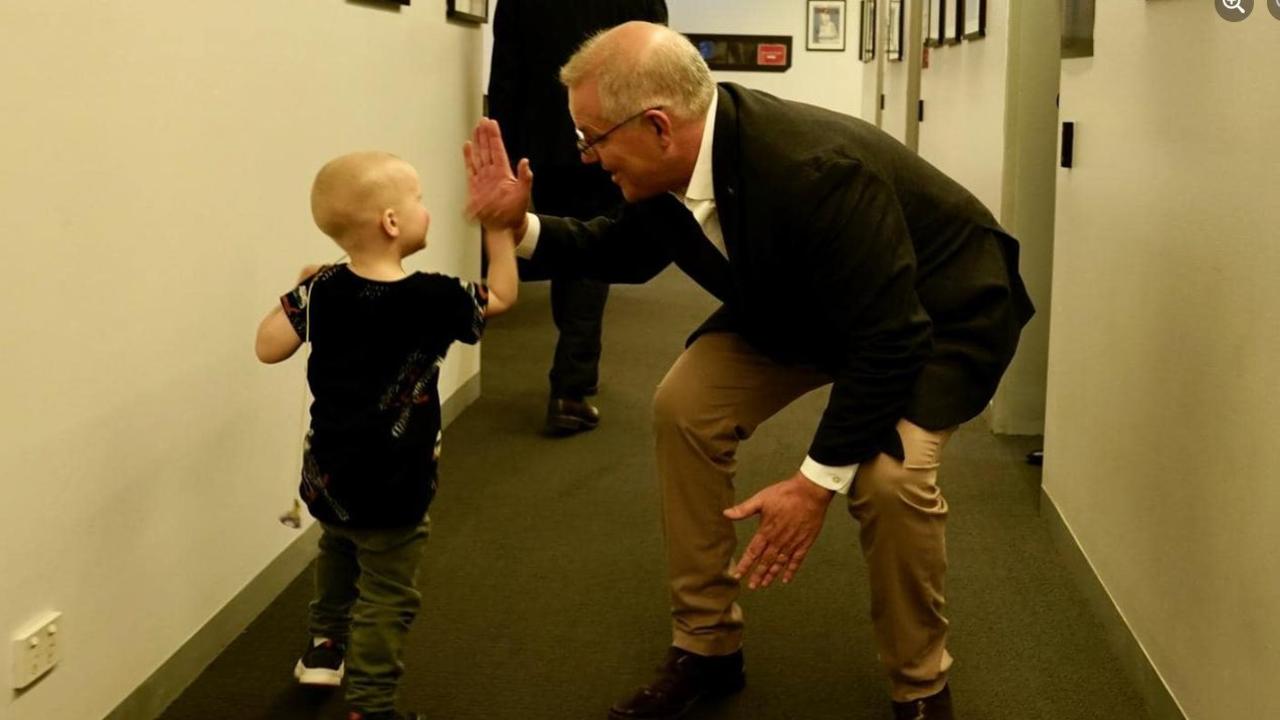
(36, 649)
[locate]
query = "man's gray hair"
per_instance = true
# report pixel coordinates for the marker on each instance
(669, 73)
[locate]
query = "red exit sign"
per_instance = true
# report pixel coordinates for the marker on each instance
(771, 54)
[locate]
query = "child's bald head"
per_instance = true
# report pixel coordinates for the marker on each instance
(351, 192)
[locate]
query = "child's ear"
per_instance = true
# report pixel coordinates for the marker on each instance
(390, 223)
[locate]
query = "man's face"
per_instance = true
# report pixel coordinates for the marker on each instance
(632, 154)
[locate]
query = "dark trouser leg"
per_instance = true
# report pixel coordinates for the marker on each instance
(577, 306)
(335, 580)
(387, 604)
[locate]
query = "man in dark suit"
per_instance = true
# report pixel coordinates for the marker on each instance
(841, 258)
(531, 40)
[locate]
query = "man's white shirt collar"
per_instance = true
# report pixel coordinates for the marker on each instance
(701, 184)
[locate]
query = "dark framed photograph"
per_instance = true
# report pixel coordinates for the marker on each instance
(973, 19)
(825, 23)
(750, 53)
(1077, 28)
(893, 45)
(935, 21)
(867, 36)
(953, 27)
(472, 11)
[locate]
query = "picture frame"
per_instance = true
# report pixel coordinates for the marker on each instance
(953, 28)
(893, 44)
(867, 34)
(825, 23)
(973, 19)
(747, 53)
(469, 11)
(1077, 28)
(935, 22)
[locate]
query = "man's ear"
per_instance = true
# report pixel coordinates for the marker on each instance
(390, 223)
(660, 121)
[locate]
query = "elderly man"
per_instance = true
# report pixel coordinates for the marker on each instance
(841, 258)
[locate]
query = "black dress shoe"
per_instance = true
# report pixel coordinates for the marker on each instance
(683, 680)
(934, 707)
(566, 416)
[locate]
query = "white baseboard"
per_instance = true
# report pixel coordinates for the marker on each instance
(1137, 664)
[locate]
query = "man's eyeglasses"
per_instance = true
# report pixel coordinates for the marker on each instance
(587, 147)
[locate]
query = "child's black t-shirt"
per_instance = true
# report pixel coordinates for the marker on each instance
(376, 349)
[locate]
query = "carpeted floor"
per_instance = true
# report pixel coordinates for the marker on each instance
(543, 582)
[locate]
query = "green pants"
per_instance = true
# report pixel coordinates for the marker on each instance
(366, 599)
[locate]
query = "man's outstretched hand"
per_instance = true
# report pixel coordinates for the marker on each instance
(496, 197)
(791, 514)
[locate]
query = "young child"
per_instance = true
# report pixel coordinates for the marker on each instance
(378, 336)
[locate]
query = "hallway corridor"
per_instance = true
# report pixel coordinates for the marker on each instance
(543, 581)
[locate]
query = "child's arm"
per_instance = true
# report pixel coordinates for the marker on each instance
(503, 279)
(277, 340)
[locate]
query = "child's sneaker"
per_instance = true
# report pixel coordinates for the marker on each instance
(390, 715)
(321, 664)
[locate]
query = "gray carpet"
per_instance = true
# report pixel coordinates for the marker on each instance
(543, 582)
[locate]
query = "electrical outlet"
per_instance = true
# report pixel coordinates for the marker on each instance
(36, 649)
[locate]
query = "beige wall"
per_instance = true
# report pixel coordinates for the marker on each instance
(1028, 198)
(893, 118)
(157, 158)
(1163, 406)
(828, 79)
(991, 123)
(964, 95)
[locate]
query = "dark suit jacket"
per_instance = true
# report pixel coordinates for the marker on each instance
(531, 40)
(846, 251)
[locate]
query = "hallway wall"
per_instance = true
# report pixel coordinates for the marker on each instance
(825, 78)
(828, 79)
(990, 122)
(1163, 405)
(157, 164)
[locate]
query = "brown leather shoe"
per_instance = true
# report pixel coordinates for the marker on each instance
(683, 680)
(566, 416)
(934, 707)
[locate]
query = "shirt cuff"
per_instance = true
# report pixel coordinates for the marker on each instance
(838, 479)
(529, 242)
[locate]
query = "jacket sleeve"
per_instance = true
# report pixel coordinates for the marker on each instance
(626, 248)
(507, 80)
(877, 332)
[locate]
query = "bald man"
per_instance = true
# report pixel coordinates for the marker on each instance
(841, 258)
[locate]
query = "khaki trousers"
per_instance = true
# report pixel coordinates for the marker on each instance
(713, 397)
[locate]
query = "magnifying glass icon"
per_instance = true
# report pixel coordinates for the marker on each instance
(1233, 5)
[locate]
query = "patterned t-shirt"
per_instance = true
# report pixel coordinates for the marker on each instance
(376, 349)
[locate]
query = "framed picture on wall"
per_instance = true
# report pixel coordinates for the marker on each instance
(953, 27)
(893, 46)
(935, 20)
(749, 53)
(973, 18)
(867, 36)
(825, 23)
(472, 11)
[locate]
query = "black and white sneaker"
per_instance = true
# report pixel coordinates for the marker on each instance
(321, 664)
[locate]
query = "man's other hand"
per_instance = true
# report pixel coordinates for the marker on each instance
(791, 515)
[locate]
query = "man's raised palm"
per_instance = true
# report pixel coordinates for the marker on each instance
(496, 197)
